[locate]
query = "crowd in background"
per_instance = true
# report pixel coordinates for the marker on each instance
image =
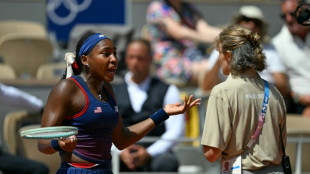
(182, 40)
(176, 41)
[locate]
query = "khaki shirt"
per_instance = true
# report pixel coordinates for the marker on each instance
(232, 116)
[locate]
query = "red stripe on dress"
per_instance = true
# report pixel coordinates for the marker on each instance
(83, 165)
(86, 105)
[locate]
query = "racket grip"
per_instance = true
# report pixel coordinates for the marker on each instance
(56, 146)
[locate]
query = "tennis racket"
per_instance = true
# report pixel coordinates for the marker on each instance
(60, 132)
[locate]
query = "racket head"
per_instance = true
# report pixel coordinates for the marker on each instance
(52, 132)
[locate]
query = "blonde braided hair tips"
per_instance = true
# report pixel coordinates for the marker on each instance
(254, 39)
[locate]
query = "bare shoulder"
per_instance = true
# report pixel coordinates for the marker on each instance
(62, 101)
(65, 86)
(64, 90)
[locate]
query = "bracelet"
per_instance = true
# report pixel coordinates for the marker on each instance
(56, 146)
(159, 116)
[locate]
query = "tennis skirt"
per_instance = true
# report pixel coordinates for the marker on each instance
(66, 168)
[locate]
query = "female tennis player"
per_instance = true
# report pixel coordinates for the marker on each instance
(86, 100)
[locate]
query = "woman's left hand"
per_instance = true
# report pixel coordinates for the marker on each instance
(177, 108)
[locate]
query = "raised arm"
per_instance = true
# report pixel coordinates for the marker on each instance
(208, 31)
(174, 126)
(123, 137)
(212, 75)
(204, 32)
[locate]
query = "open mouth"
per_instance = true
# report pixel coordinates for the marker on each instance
(112, 70)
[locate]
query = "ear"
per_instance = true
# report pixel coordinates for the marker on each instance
(228, 56)
(84, 60)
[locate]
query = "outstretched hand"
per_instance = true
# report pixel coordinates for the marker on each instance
(178, 108)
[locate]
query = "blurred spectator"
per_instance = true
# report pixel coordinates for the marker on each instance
(293, 46)
(12, 164)
(252, 18)
(12, 96)
(174, 29)
(138, 96)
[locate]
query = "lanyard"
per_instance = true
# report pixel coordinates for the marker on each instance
(261, 116)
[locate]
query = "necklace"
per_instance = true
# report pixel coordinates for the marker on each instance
(99, 92)
(99, 95)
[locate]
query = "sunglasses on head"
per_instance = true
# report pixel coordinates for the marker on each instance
(283, 16)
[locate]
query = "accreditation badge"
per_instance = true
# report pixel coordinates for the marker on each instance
(232, 165)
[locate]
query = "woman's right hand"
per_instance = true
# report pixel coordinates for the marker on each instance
(177, 108)
(68, 144)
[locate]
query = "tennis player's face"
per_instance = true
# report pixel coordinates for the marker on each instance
(102, 61)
